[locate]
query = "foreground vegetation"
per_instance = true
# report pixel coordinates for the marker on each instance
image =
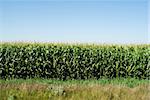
(104, 89)
(64, 62)
(48, 71)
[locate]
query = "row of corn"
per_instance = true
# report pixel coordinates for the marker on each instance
(73, 61)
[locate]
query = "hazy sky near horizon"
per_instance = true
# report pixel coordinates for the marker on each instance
(102, 21)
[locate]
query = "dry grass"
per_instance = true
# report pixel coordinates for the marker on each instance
(28, 91)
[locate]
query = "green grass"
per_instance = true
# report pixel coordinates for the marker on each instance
(104, 89)
(130, 82)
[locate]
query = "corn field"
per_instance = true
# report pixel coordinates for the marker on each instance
(73, 61)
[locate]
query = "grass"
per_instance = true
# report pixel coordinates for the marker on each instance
(129, 82)
(104, 89)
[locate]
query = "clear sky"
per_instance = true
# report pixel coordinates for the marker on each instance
(100, 21)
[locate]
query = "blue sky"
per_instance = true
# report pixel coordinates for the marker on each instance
(103, 21)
